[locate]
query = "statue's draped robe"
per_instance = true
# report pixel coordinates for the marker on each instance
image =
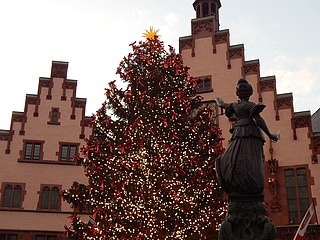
(240, 168)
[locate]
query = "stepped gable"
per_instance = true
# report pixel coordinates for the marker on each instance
(56, 96)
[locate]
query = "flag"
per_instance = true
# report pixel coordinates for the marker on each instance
(304, 223)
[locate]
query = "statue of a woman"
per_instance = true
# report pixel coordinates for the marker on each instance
(240, 168)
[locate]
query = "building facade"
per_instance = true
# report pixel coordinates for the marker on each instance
(36, 153)
(36, 156)
(292, 179)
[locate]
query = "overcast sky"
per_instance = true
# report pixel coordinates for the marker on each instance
(93, 36)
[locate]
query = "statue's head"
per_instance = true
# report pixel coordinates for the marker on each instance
(244, 89)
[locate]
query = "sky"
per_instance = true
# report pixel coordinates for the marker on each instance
(94, 35)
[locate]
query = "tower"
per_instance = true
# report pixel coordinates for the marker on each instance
(205, 8)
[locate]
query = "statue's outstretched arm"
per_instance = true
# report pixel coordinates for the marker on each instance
(221, 103)
(262, 124)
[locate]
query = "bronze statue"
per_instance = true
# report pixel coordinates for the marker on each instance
(240, 171)
(240, 168)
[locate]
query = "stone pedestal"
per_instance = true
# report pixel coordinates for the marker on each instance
(246, 220)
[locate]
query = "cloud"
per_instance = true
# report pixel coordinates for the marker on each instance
(299, 76)
(245, 30)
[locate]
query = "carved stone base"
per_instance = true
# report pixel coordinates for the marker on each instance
(247, 221)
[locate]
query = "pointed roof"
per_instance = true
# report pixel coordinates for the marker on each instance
(316, 121)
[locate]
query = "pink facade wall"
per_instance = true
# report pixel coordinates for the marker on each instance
(72, 128)
(208, 52)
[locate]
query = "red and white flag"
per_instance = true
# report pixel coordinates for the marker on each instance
(304, 223)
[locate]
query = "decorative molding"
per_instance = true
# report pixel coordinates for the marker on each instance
(284, 103)
(267, 85)
(87, 121)
(252, 67)
(273, 166)
(203, 27)
(185, 43)
(5, 135)
(45, 82)
(221, 37)
(80, 103)
(236, 51)
(288, 233)
(31, 99)
(70, 84)
(59, 70)
(17, 117)
(301, 121)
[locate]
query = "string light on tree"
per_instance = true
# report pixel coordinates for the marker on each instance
(150, 166)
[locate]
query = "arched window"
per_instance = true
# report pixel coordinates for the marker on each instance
(205, 9)
(12, 196)
(45, 198)
(16, 196)
(7, 196)
(213, 8)
(198, 11)
(54, 198)
(49, 198)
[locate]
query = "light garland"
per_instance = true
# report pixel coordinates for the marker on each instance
(150, 166)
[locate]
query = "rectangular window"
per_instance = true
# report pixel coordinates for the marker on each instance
(12, 195)
(49, 198)
(45, 237)
(32, 151)
(297, 194)
(67, 152)
(4, 236)
(204, 84)
(54, 115)
(200, 86)
(207, 84)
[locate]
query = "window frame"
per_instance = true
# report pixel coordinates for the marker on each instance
(11, 199)
(49, 208)
(54, 116)
(69, 157)
(46, 236)
(297, 187)
(202, 84)
(7, 236)
(32, 158)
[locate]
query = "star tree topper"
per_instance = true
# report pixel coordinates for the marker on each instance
(151, 34)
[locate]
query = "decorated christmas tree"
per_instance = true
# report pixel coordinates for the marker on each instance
(150, 161)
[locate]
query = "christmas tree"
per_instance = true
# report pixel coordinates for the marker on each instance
(150, 164)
